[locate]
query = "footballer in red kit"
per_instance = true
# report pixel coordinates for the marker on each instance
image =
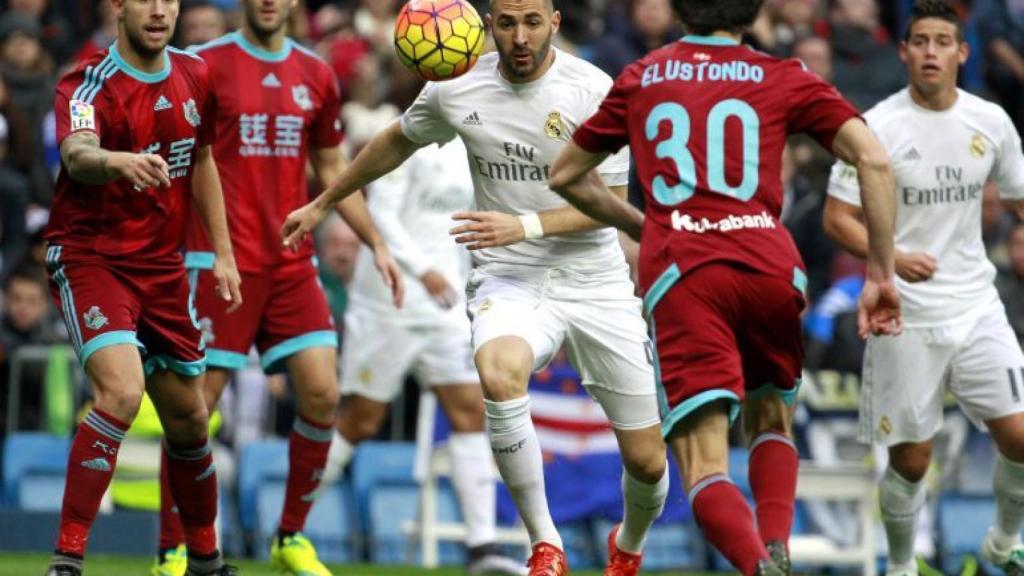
(277, 111)
(134, 125)
(707, 120)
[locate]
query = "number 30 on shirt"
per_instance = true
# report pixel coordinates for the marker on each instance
(674, 148)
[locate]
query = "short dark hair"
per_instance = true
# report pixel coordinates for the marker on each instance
(941, 9)
(708, 16)
(27, 271)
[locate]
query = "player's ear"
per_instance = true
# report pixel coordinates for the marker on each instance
(293, 4)
(489, 21)
(118, 6)
(556, 20)
(903, 51)
(965, 52)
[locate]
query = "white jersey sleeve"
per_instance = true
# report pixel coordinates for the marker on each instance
(1008, 172)
(843, 183)
(390, 195)
(424, 122)
(615, 168)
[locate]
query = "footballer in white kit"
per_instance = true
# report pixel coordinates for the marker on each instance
(545, 274)
(412, 208)
(573, 288)
(956, 334)
(944, 144)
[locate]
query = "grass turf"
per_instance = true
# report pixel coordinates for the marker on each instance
(35, 565)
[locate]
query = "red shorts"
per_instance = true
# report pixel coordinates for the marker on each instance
(146, 303)
(724, 332)
(284, 311)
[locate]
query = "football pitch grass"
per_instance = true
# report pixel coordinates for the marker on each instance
(35, 565)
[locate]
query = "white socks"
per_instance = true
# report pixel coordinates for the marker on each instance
(1008, 483)
(901, 502)
(338, 457)
(643, 505)
(473, 480)
(517, 451)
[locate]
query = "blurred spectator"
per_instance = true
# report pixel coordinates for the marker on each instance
(651, 24)
(816, 53)
(103, 36)
(201, 22)
(1001, 28)
(27, 72)
(794, 19)
(14, 198)
(813, 162)
(25, 322)
(1010, 281)
(831, 325)
(865, 62)
(803, 207)
(995, 224)
(54, 30)
(337, 248)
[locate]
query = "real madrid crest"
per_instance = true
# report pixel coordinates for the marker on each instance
(554, 127)
(977, 147)
(192, 113)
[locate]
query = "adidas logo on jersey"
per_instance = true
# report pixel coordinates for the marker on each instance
(912, 154)
(472, 120)
(162, 104)
(271, 81)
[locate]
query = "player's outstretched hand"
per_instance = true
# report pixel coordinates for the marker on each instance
(487, 229)
(300, 224)
(878, 309)
(142, 170)
(229, 283)
(439, 289)
(390, 273)
(915, 266)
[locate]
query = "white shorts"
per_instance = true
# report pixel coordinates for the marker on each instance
(377, 355)
(978, 361)
(596, 316)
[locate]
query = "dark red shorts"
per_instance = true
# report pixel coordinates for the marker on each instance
(145, 303)
(724, 332)
(284, 311)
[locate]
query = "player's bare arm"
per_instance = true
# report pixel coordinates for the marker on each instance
(87, 162)
(209, 202)
(573, 178)
(879, 306)
(328, 165)
(493, 229)
(845, 225)
(387, 151)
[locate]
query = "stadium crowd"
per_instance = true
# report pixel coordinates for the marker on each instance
(852, 43)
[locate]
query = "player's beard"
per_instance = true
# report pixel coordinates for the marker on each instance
(139, 46)
(536, 61)
(262, 31)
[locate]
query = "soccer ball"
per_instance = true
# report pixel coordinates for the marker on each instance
(439, 39)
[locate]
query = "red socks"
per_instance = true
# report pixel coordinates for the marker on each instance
(307, 456)
(90, 468)
(773, 470)
(192, 478)
(172, 532)
(724, 516)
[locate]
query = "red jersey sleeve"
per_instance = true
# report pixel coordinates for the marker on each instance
(77, 107)
(816, 107)
(204, 91)
(607, 130)
(326, 128)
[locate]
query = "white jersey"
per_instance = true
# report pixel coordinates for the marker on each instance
(941, 161)
(513, 132)
(412, 207)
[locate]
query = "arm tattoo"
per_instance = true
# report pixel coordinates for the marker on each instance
(84, 159)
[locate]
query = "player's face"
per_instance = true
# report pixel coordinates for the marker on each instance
(522, 32)
(933, 55)
(148, 24)
(267, 17)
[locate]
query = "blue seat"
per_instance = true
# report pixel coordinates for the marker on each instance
(41, 457)
(380, 463)
(259, 462)
(329, 526)
(963, 521)
(392, 506)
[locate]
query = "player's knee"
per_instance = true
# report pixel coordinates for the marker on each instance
(912, 465)
(362, 429)
(769, 414)
(123, 404)
(321, 402)
(503, 379)
(646, 465)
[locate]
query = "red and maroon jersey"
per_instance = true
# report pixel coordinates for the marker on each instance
(167, 113)
(706, 120)
(271, 109)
